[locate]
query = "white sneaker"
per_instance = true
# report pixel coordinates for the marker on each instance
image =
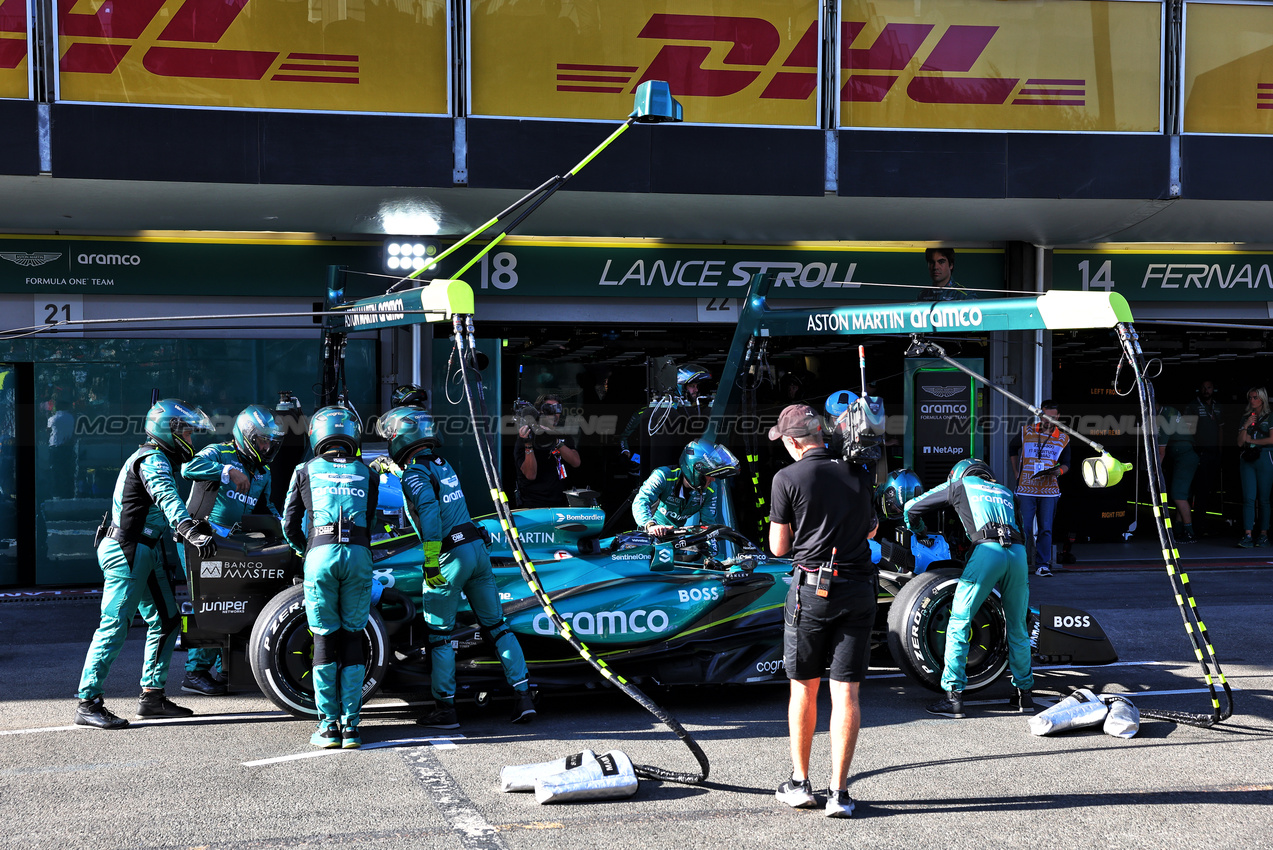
(839, 804)
(796, 793)
(1043, 571)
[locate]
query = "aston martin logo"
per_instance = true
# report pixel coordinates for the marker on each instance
(944, 392)
(35, 258)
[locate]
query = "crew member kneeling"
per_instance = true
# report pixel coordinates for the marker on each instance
(998, 558)
(821, 513)
(336, 493)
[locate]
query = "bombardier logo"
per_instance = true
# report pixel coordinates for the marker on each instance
(943, 392)
(35, 258)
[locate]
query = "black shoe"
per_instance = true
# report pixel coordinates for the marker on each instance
(93, 712)
(1022, 701)
(1186, 535)
(155, 704)
(442, 717)
(201, 682)
(952, 705)
(797, 793)
(523, 708)
(326, 736)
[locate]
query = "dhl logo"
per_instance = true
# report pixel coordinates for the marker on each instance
(100, 40)
(13, 21)
(873, 69)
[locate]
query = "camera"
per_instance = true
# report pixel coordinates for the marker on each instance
(527, 416)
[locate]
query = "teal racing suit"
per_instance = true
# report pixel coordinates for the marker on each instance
(998, 558)
(436, 507)
(145, 503)
(334, 497)
(214, 498)
(663, 500)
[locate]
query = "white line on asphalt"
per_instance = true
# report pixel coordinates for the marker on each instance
(1115, 664)
(440, 743)
(474, 831)
(164, 721)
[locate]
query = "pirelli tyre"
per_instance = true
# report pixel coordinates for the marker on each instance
(917, 621)
(281, 653)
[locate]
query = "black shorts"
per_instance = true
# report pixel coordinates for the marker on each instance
(832, 631)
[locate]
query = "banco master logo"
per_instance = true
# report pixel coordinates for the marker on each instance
(211, 569)
(942, 392)
(202, 22)
(34, 258)
(876, 60)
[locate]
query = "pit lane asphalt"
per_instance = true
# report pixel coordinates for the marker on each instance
(218, 780)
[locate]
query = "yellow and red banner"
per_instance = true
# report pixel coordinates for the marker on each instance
(14, 74)
(1052, 65)
(1228, 69)
(745, 62)
(389, 56)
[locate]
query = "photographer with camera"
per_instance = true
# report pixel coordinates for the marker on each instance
(542, 454)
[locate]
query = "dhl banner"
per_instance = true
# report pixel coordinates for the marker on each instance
(1052, 65)
(386, 56)
(742, 62)
(14, 67)
(1228, 69)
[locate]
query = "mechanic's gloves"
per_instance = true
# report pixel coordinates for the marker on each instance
(377, 590)
(433, 577)
(382, 465)
(191, 531)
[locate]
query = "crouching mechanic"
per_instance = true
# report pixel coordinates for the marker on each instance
(144, 504)
(821, 513)
(334, 497)
(998, 558)
(231, 479)
(455, 559)
(671, 497)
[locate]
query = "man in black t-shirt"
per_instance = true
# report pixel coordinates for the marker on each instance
(822, 515)
(542, 455)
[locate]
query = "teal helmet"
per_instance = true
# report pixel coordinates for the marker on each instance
(971, 466)
(691, 374)
(171, 423)
(407, 430)
(701, 459)
(334, 426)
(899, 488)
(412, 395)
(254, 423)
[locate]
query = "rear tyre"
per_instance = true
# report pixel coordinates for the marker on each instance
(281, 653)
(917, 621)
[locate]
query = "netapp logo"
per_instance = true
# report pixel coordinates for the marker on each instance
(943, 450)
(108, 260)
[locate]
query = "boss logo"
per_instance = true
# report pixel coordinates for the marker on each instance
(695, 594)
(1068, 622)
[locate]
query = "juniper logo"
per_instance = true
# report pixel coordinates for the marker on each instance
(32, 259)
(943, 392)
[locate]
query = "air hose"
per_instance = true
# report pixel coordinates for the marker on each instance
(1196, 629)
(466, 347)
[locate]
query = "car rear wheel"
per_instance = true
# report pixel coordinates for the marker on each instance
(281, 653)
(917, 622)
